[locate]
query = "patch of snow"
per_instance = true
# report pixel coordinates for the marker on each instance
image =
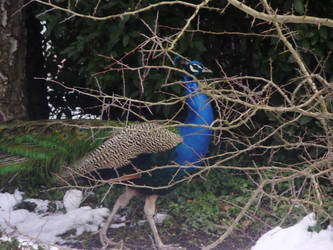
(46, 227)
(40, 227)
(117, 225)
(72, 199)
(8, 201)
(159, 218)
(296, 237)
(41, 205)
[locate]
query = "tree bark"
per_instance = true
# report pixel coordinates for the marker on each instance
(13, 103)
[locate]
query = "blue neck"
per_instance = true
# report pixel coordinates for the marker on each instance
(196, 139)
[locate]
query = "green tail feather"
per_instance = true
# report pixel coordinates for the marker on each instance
(49, 145)
(38, 149)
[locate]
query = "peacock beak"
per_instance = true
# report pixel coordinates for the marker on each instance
(206, 70)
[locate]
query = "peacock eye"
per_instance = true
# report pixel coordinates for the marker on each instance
(194, 68)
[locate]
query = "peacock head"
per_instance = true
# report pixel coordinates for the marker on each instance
(193, 67)
(196, 68)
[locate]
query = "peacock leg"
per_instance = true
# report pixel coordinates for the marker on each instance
(121, 202)
(150, 208)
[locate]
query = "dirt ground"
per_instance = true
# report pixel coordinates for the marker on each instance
(140, 238)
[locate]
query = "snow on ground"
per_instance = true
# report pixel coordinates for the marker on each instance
(43, 226)
(296, 237)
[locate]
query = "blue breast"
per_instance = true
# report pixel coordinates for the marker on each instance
(196, 139)
(195, 145)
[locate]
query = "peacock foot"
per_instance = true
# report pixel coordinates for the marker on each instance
(107, 243)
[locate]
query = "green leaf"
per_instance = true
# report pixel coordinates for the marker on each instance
(304, 120)
(125, 40)
(270, 116)
(323, 32)
(305, 44)
(299, 6)
(310, 34)
(315, 40)
(319, 51)
(330, 45)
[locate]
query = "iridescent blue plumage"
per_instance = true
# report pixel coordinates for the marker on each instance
(196, 140)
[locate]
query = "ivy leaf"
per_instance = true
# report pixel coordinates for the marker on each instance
(299, 6)
(305, 44)
(315, 40)
(323, 32)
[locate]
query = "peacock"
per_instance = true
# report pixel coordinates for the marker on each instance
(132, 154)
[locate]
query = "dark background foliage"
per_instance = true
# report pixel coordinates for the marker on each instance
(229, 40)
(87, 46)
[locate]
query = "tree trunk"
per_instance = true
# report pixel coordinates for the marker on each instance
(21, 60)
(12, 61)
